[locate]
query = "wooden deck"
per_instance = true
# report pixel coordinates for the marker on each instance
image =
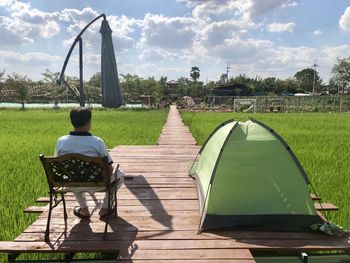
(158, 214)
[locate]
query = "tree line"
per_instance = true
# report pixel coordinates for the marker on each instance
(19, 88)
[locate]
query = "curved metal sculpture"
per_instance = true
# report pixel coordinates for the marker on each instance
(111, 95)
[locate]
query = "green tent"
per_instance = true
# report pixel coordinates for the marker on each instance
(249, 179)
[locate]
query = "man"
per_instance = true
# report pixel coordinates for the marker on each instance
(81, 141)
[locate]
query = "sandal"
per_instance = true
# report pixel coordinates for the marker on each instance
(76, 212)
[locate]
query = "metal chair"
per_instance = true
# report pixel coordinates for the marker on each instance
(77, 170)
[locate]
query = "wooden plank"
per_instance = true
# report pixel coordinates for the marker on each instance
(147, 193)
(125, 212)
(177, 254)
(202, 260)
(179, 161)
(128, 234)
(35, 209)
(157, 222)
(315, 197)
(159, 180)
(325, 207)
(67, 246)
(90, 246)
(164, 174)
(154, 186)
(162, 204)
(43, 199)
(157, 193)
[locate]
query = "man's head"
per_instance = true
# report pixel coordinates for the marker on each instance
(80, 117)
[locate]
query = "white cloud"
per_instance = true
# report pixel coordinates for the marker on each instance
(281, 27)
(25, 24)
(6, 3)
(29, 59)
(80, 17)
(248, 9)
(317, 32)
(243, 51)
(168, 32)
(344, 22)
(216, 33)
(330, 54)
(50, 29)
(92, 59)
(123, 28)
(149, 69)
(297, 56)
(258, 7)
(157, 55)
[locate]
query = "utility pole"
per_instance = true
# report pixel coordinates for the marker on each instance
(314, 80)
(227, 70)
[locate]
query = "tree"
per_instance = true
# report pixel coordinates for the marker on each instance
(2, 79)
(341, 74)
(20, 85)
(289, 86)
(2, 76)
(307, 78)
(53, 90)
(195, 73)
(223, 78)
(131, 87)
(184, 87)
(95, 80)
(163, 88)
(92, 88)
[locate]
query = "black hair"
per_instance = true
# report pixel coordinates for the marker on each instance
(80, 116)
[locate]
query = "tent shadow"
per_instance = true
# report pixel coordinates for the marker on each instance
(275, 240)
(144, 192)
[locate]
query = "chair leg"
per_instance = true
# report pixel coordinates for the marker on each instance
(64, 209)
(115, 203)
(65, 216)
(107, 218)
(47, 232)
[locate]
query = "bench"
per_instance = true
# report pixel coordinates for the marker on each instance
(76, 170)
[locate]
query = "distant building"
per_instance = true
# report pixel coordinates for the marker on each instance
(230, 89)
(148, 101)
(171, 90)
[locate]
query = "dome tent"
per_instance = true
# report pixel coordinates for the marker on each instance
(248, 178)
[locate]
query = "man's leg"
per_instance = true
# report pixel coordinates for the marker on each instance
(81, 199)
(120, 179)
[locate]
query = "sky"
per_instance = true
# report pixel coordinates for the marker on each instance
(266, 38)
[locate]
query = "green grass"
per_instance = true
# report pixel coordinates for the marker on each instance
(26, 134)
(320, 141)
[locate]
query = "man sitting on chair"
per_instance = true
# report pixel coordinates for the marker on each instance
(81, 141)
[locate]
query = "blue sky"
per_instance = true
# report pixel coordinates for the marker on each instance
(270, 38)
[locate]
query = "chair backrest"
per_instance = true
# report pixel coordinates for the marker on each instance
(76, 170)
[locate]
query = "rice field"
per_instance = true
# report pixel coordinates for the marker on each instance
(25, 135)
(321, 141)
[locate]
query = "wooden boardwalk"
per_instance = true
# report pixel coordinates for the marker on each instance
(158, 214)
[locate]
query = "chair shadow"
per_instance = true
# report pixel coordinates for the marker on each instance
(121, 234)
(143, 191)
(121, 238)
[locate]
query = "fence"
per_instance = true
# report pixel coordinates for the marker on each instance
(287, 103)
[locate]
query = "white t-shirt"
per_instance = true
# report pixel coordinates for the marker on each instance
(83, 143)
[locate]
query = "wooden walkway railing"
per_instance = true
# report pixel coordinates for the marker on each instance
(158, 214)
